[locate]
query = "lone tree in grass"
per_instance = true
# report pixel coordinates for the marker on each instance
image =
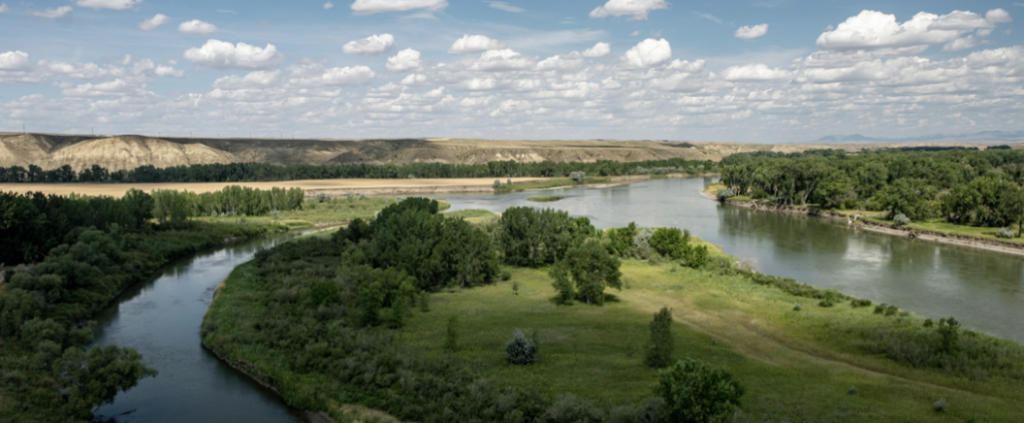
(584, 273)
(697, 392)
(659, 348)
(521, 350)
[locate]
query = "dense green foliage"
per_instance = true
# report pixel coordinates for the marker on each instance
(695, 392)
(33, 223)
(45, 310)
(531, 237)
(961, 186)
(247, 172)
(436, 251)
(584, 273)
(171, 205)
(659, 347)
(520, 350)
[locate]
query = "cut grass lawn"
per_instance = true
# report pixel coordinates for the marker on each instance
(795, 365)
(545, 198)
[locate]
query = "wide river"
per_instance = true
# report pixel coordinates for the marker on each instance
(161, 318)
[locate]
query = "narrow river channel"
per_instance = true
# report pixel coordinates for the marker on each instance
(160, 318)
(984, 290)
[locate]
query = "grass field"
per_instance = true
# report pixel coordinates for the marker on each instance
(473, 215)
(795, 365)
(549, 183)
(545, 198)
(334, 211)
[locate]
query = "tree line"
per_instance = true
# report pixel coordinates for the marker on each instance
(33, 223)
(251, 172)
(969, 187)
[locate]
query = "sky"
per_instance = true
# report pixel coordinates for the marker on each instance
(739, 71)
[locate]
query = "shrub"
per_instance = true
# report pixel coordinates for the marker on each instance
(857, 302)
(929, 323)
(879, 309)
(891, 310)
(1005, 233)
(577, 176)
(424, 301)
(670, 242)
(829, 298)
(696, 392)
(660, 345)
(451, 338)
(939, 406)
(515, 288)
(900, 219)
(520, 350)
(949, 332)
(506, 275)
(852, 390)
(696, 257)
(320, 198)
(725, 194)
(643, 238)
(796, 307)
(497, 183)
(591, 269)
(509, 181)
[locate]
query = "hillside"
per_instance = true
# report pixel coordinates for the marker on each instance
(129, 151)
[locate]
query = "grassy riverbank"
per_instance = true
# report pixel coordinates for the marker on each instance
(549, 183)
(545, 198)
(795, 365)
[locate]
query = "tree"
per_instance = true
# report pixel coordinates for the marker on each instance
(520, 350)
(590, 269)
(696, 392)
(669, 242)
(661, 344)
(90, 379)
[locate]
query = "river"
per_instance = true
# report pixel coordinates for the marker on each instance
(161, 317)
(982, 289)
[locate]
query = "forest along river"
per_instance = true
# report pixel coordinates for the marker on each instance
(984, 290)
(160, 318)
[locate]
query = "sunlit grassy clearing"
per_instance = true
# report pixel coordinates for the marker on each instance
(794, 364)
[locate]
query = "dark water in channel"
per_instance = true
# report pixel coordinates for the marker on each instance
(983, 290)
(160, 318)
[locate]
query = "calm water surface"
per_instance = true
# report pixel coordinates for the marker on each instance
(161, 318)
(984, 290)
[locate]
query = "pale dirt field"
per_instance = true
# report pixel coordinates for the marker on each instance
(333, 187)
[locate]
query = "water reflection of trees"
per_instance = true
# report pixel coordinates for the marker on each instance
(792, 233)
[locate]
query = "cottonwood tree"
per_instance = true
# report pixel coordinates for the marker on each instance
(585, 272)
(697, 392)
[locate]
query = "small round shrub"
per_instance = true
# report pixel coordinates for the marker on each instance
(939, 406)
(856, 302)
(506, 275)
(879, 309)
(322, 198)
(929, 323)
(852, 390)
(497, 183)
(900, 219)
(796, 307)
(520, 350)
(577, 176)
(891, 310)
(1004, 233)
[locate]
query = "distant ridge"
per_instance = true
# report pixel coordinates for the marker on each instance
(976, 137)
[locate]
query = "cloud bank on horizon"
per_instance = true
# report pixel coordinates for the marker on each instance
(628, 69)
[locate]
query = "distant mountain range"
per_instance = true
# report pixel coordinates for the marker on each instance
(977, 137)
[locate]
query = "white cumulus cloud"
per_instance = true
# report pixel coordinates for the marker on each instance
(470, 44)
(51, 13)
(637, 8)
(405, 60)
(328, 5)
(754, 72)
(168, 71)
(370, 46)
(155, 21)
(871, 30)
(315, 75)
(649, 52)
(4, 8)
(255, 79)
(598, 50)
(224, 55)
(197, 27)
(503, 60)
(108, 4)
(367, 7)
(751, 32)
(14, 60)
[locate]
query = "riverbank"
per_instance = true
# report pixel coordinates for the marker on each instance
(797, 363)
(864, 220)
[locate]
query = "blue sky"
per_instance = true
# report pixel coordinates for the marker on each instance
(623, 69)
